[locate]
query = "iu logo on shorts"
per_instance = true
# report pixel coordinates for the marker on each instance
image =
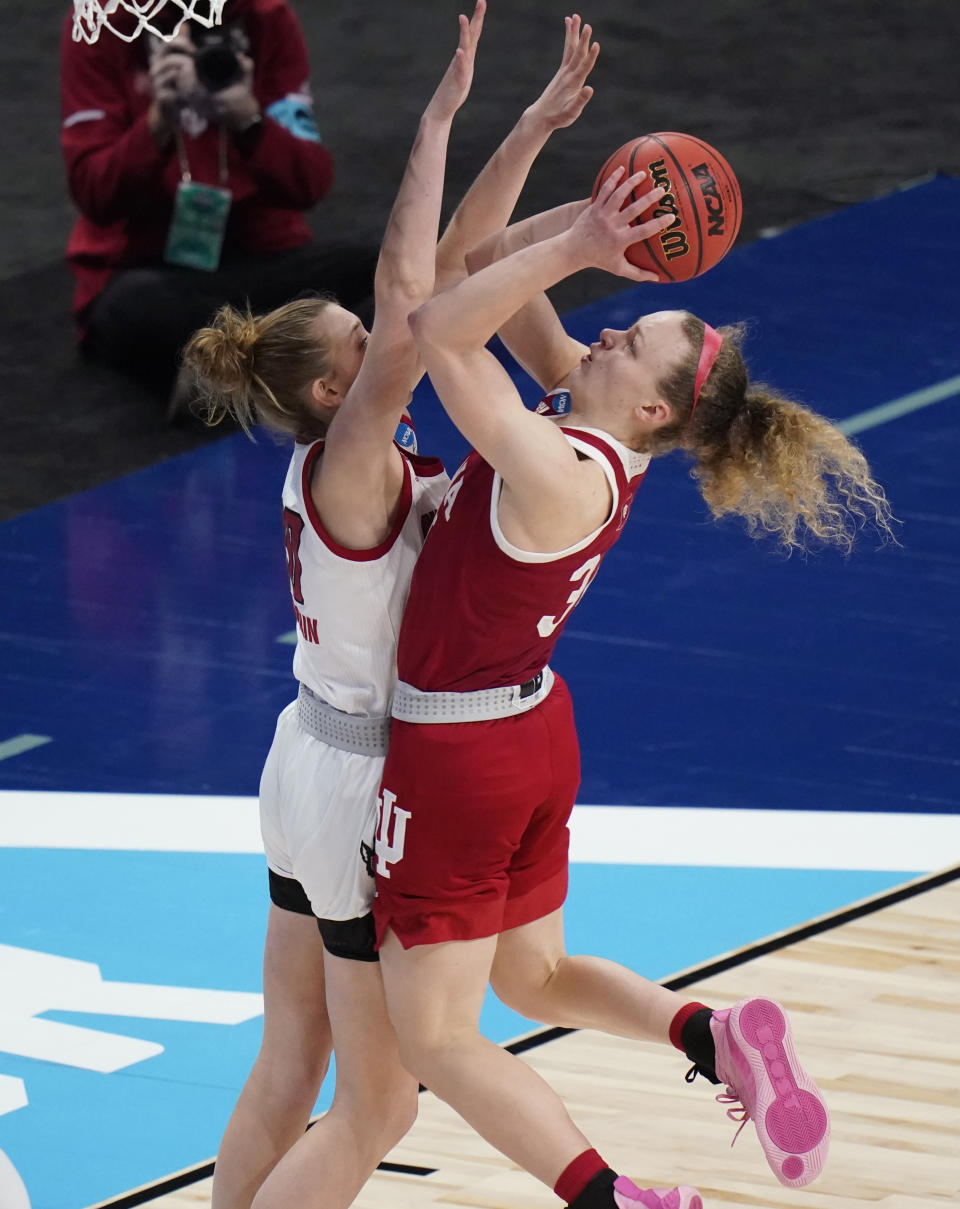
(391, 832)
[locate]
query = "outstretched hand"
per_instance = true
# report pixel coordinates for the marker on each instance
(564, 98)
(453, 88)
(606, 227)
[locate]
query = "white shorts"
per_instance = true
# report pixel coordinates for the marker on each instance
(317, 806)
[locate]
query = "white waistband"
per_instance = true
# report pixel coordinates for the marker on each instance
(414, 705)
(347, 732)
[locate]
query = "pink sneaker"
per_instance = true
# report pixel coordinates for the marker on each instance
(757, 1061)
(629, 1196)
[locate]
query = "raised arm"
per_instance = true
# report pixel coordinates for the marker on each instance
(451, 330)
(490, 200)
(357, 487)
(534, 335)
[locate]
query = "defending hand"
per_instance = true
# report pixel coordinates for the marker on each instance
(453, 88)
(564, 98)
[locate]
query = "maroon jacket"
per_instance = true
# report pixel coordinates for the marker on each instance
(123, 184)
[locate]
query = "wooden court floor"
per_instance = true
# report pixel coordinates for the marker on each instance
(875, 1005)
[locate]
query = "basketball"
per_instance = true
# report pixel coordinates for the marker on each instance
(701, 191)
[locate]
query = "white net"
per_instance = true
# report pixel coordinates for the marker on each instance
(128, 19)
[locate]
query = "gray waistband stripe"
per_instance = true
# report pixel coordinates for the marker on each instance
(414, 705)
(347, 732)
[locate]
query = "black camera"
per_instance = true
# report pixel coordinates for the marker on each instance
(216, 60)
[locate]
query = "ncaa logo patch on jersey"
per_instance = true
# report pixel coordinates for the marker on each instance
(405, 437)
(557, 403)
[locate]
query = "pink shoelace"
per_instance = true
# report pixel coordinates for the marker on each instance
(737, 1113)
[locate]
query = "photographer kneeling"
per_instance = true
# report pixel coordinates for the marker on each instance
(192, 163)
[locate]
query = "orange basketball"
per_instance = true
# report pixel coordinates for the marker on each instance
(701, 191)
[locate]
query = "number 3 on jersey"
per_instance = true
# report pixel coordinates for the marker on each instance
(292, 529)
(583, 576)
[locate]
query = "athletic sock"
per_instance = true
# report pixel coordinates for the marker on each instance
(586, 1182)
(690, 1033)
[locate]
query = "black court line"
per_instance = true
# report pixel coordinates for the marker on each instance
(782, 940)
(193, 1175)
(149, 1192)
(825, 923)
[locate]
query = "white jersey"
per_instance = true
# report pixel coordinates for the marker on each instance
(348, 604)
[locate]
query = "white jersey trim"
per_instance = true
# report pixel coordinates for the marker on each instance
(591, 451)
(633, 463)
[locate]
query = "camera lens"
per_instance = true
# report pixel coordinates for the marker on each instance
(217, 66)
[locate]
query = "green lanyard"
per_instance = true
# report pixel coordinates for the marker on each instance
(200, 212)
(185, 174)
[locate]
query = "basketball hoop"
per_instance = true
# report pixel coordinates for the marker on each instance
(90, 16)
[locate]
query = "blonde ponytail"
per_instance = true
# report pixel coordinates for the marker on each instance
(781, 467)
(789, 472)
(258, 369)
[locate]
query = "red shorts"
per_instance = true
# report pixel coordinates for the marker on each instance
(472, 837)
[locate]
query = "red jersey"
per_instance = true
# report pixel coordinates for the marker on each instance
(483, 613)
(124, 184)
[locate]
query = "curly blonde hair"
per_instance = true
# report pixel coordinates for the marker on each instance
(258, 369)
(781, 467)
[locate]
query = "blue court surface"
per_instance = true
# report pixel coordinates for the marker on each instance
(765, 740)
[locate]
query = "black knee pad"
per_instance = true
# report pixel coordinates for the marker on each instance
(287, 894)
(354, 939)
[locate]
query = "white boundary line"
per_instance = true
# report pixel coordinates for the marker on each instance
(609, 835)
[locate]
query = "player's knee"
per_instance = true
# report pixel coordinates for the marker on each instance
(422, 1048)
(414, 1049)
(429, 1055)
(524, 988)
(381, 1111)
(296, 1070)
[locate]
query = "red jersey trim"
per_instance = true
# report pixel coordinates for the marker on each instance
(426, 468)
(374, 552)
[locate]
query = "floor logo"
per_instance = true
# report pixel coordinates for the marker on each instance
(37, 982)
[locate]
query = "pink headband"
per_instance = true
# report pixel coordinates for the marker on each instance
(708, 354)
